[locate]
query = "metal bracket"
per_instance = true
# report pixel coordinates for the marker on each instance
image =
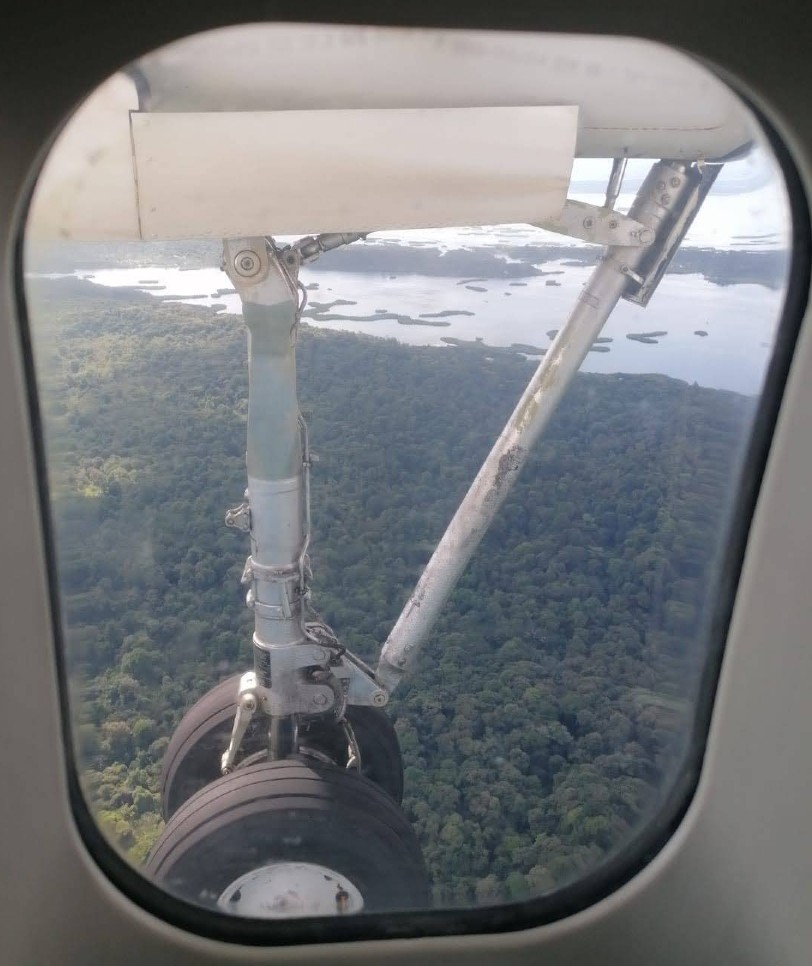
(357, 678)
(358, 682)
(239, 517)
(311, 247)
(694, 183)
(289, 676)
(255, 270)
(296, 679)
(246, 708)
(286, 578)
(601, 226)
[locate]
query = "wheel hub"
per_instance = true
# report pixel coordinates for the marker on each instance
(289, 890)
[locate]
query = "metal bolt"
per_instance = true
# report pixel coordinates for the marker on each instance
(249, 702)
(613, 223)
(379, 699)
(247, 264)
(320, 700)
(588, 222)
(665, 200)
(675, 182)
(319, 655)
(625, 270)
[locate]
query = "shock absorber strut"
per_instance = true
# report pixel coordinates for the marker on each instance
(275, 510)
(299, 668)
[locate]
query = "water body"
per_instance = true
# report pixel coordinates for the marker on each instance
(740, 320)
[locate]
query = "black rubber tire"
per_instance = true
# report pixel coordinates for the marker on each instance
(192, 758)
(292, 811)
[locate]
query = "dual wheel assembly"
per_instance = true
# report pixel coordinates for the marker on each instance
(305, 836)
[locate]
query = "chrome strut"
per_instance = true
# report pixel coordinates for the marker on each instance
(299, 667)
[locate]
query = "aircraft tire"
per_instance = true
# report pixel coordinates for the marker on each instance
(192, 758)
(274, 818)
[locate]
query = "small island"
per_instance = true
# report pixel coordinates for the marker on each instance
(648, 338)
(530, 350)
(436, 323)
(325, 316)
(320, 307)
(446, 313)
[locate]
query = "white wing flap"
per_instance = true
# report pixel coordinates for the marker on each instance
(289, 172)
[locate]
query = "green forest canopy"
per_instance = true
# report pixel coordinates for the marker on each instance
(549, 713)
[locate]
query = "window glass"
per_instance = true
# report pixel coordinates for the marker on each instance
(259, 761)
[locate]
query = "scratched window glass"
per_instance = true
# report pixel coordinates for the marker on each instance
(393, 436)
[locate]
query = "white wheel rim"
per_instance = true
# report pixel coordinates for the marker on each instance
(290, 890)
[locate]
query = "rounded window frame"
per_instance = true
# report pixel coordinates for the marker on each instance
(613, 873)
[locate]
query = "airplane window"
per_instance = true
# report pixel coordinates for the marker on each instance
(396, 391)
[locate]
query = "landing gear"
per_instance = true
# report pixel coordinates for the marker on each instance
(286, 826)
(192, 759)
(290, 838)
(281, 786)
